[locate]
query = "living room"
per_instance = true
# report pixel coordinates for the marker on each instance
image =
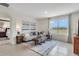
(41, 29)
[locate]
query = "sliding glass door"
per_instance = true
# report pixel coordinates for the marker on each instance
(53, 27)
(59, 28)
(63, 27)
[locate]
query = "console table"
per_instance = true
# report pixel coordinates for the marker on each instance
(19, 39)
(76, 45)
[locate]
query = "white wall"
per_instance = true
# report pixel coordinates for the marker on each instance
(42, 24)
(74, 24)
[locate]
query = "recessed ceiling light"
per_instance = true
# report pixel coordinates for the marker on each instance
(45, 12)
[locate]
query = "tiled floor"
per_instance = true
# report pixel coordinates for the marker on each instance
(16, 50)
(61, 49)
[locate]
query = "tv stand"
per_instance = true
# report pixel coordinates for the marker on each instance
(76, 45)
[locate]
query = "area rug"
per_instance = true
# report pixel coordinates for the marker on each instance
(45, 48)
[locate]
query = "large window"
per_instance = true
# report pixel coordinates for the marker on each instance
(63, 27)
(54, 26)
(59, 26)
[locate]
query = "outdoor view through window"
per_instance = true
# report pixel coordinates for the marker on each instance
(59, 27)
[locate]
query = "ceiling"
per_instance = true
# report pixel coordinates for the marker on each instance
(40, 10)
